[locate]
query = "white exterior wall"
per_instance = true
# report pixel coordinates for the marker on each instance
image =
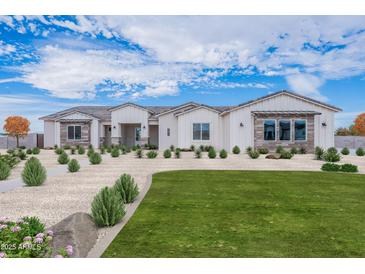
(129, 115)
(185, 128)
(167, 121)
(243, 136)
(57, 130)
(49, 134)
(95, 133)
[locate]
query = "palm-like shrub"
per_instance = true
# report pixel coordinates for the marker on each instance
(139, 153)
(318, 152)
(360, 151)
(236, 150)
(115, 152)
(345, 151)
(81, 150)
(34, 174)
(285, 154)
(107, 208)
(152, 154)
(63, 158)
(254, 154)
(211, 153)
(223, 154)
(198, 153)
(95, 158)
(5, 170)
(177, 153)
(294, 150)
(36, 150)
(73, 166)
(127, 188)
(167, 153)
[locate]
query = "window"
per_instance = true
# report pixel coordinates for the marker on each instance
(284, 130)
(138, 134)
(74, 132)
(300, 127)
(201, 131)
(269, 130)
(168, 131)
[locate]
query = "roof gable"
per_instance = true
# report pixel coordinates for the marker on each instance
(197, 108)
(129, 104)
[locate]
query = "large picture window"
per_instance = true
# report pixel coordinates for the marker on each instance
(201, 131)
(269, 130)
(74, 132)
(284, 130)
(300, 130)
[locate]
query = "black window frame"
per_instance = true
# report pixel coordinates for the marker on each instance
(305, 130)
(274, 131)
(76, 132)
(281, 130)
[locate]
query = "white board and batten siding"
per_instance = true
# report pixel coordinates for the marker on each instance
(244, 136)
(167, 121)
(49, 134)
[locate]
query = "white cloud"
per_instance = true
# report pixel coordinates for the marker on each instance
(6, 48)
(307, 85)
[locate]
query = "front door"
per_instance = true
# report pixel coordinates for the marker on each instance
(108, 135)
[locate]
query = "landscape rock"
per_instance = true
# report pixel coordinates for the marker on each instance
(275, 156)
(77, 230)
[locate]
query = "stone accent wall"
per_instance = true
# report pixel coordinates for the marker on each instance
(85, 134)
(271, 145)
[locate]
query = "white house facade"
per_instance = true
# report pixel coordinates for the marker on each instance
(281, 118)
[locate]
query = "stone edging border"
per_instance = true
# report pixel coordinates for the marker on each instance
(102, 244)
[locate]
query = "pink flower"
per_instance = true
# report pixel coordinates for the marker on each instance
(50, 233)
(3, 227)
(39, 235)
(69, 250)
(58, 256)
(27, 238)
(15, 228)
(2, 255)
(38, 240)
(3, 219)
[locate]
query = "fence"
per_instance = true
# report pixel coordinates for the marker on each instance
(29, 141)
(351, 142)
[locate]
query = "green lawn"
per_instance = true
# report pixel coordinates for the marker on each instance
(247, 214)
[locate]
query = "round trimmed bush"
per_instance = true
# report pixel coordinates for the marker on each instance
(254, 154)
(152, 154)
(331, 156)
(236, 150)
(127, 188)
(95, 158)
(332, 150)
(107, 208)
(36, 150)
(63, 159)
(29, 151)
(34, 174)
(345, 151)
(331, 167)
(211, 153)
(5, 170)
(59, 151)
(73, 166)
(167, 153)
(360, 151)
(81, 150)
(223, 154)
(115, 152)
(198, 153)
(286, 154)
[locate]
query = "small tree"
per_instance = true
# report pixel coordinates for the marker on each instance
(360, 124)
(16, 126)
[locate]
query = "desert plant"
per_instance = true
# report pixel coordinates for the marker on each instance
(302, 150)
(152, 154)
(254, 154)
(294, 150)
(127, 188)
(73, 150)
(349, 168)
(90, 146)
(177, 153)
(115, 152)
(107, 208)
(330, 167)
(167, 153)
(285, 154)
(360, 151)
(5, 170)
(109, 149)
(95, 158)
(102, 150)
(236, 150)
(223, 154)
(332, 150)
(331, 155)
(63, 159)
(10, 159)
(318, 152)
(207, 148)
(22, 155)
(212, 153)
(201, 147)
(29, 151)
(66, 147)
(345, 151)
(263, 150)
(59, 151)
(172, 148)
(198, 153)
(36, 150)
(249, 149)
(90, 151)
(279, 149)
(34, 174)
(139, 153)
(73, 166)
(192, 147)
(81, 150)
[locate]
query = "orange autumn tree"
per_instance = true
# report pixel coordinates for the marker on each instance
(16, 126)
(360, 124)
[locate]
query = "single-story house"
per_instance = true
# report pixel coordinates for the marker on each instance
(282, 118)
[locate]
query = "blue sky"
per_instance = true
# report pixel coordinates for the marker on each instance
(49, 63)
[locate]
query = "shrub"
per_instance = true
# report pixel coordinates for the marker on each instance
(107, 208)
(263, 150)
(5, 170)
(127, 188)
(207, 148)
(115, 152)
(65, 147)
(34, 174)
(223, 154)
(134, 147)
(236, 150)
(59, 151)
(63, 159)
(286, 154)
(198, 153)
(172, 148)
(152, 146)
(90, 146)
(349, 168)
(201, 147)
(360, 151)
(331, 155)
(81, 150)
(211, 153)
(73, 150)
(167, 153)
(319, 152)
(332, 150)
(248, 149)
(10, 151)
(302, 150)
(254, 154)
(29, 151)
(10, 160)
(330, 167)
(192, 148)
(139, 153)
(109, 149)
(102, 150)
(279, 149)
(152, 154)
(95, 158)
(294, 150)
(90, 151)
(22, 155)
(36, 150)
(345, 151)
(73, 166)
(177, 153)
